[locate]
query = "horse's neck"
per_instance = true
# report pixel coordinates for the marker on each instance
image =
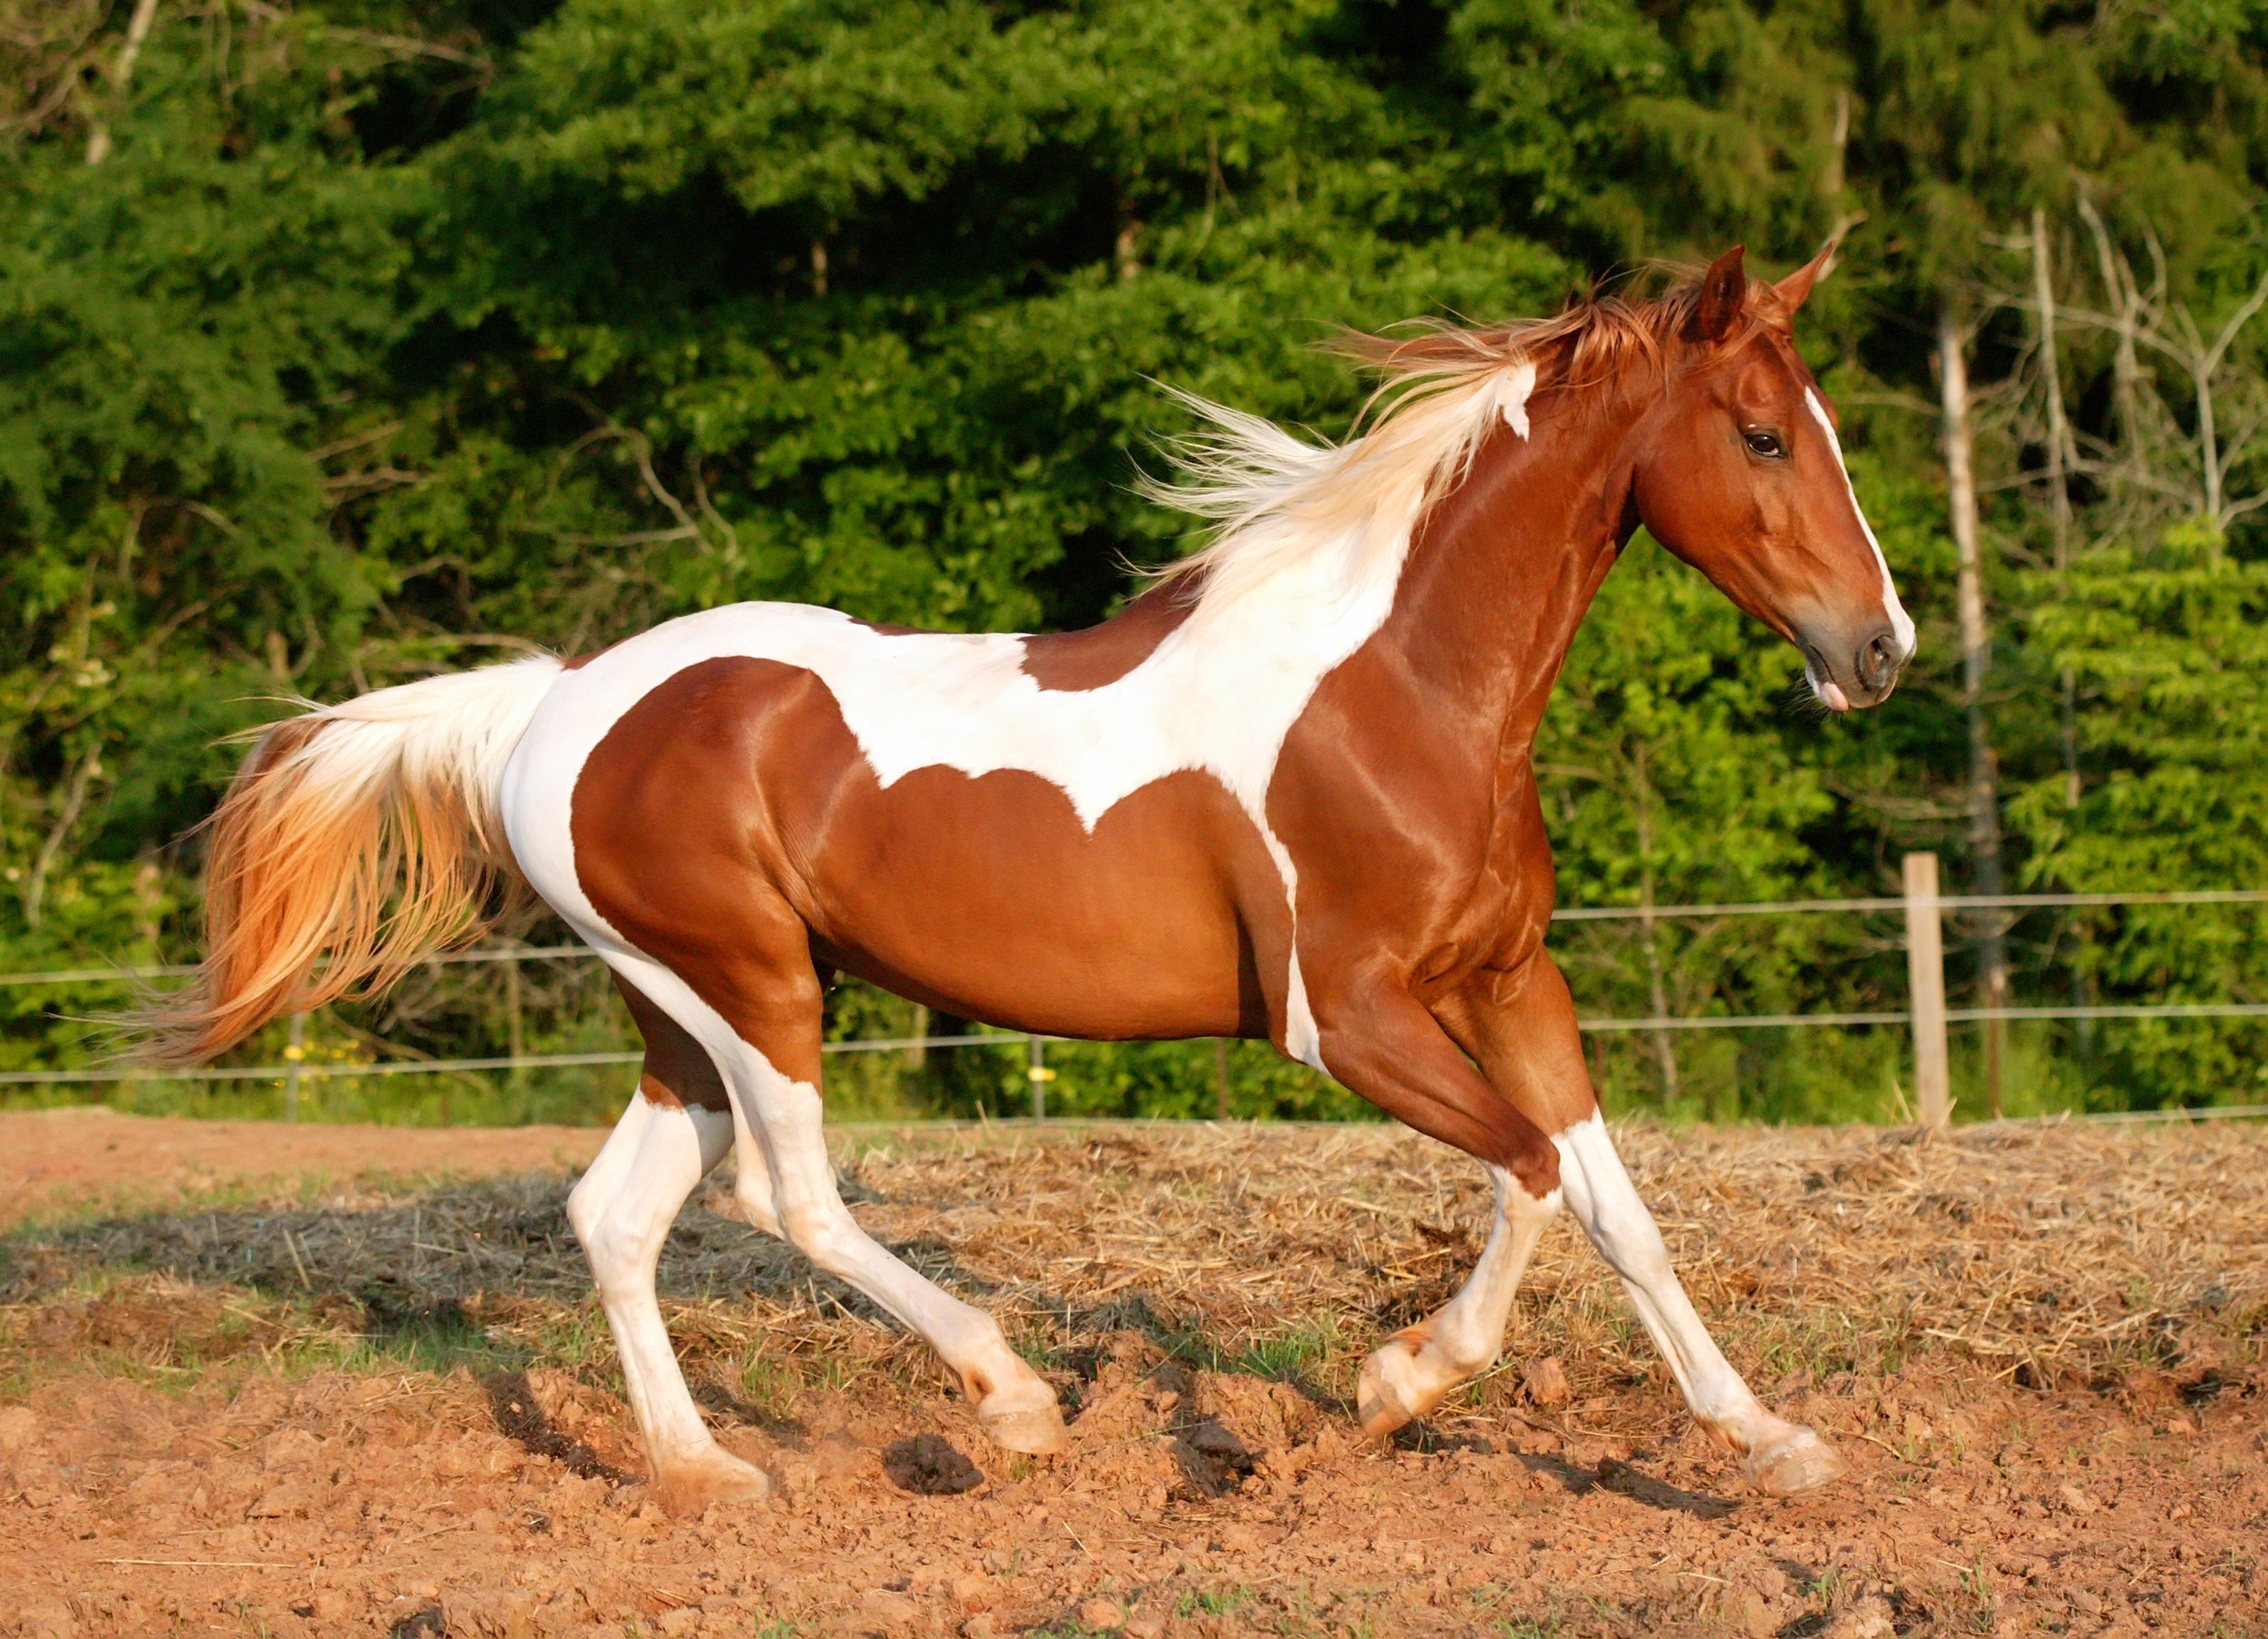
(1504, 567)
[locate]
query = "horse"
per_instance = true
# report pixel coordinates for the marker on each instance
(1285, 794)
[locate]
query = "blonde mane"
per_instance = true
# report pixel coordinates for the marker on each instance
(1278, 502)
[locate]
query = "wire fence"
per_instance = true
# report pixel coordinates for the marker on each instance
(1924, 909)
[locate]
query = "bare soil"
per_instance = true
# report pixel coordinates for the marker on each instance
(339, 1402)
(52, 1161)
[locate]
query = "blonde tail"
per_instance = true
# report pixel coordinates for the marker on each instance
(357, 840)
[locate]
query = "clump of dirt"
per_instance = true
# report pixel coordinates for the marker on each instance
(930, 1466)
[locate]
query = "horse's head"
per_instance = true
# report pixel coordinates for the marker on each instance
(1739, 474)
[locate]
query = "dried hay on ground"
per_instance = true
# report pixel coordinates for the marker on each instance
(2052, 1254)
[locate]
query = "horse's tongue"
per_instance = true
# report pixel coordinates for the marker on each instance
(1832, 692)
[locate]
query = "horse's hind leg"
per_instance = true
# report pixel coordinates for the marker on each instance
(1014, 1405)
(768, 1051)
(678, 1127)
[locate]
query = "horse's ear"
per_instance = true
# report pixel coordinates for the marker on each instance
(1797, 285)
(1723, 287)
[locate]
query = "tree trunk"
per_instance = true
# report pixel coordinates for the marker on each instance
(917, 1056)
(1976, 645)
(2062, 457)
(73, 800)
(2061, 454)
(98, 136)
(516, 1043)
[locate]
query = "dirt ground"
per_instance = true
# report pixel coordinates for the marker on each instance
(340, 1383)
(52, 1161)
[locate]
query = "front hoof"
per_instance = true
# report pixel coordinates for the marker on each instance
(1036, 1431)
(1796, 1462)
(1390, 1393)
(691, 1486)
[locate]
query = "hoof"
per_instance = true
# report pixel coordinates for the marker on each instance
(691, 1487)
(1038, 1431)
(1389, 1391)
(1796, 1462)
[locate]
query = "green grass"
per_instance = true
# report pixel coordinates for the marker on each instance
(1223, 1601)
(1297, 1353)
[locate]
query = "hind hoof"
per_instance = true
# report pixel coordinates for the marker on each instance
(1798, 1461)
(690, 1487)
(1036, 1430)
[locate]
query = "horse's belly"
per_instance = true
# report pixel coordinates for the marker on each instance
(986, 897)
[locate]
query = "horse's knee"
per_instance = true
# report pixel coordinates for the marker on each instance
(1533, 1162)
(622, 1222)
(586, 1210)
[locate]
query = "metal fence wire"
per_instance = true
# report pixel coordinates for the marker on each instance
(1926, 1014)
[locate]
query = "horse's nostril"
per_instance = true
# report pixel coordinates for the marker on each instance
(1877, 662)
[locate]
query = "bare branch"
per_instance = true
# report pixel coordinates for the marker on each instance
(75, 799)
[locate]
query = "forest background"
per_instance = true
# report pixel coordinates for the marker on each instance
(347, 341)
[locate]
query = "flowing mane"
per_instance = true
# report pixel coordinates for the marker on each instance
(1279, 502)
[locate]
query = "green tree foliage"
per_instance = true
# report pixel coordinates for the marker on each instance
(347, 340)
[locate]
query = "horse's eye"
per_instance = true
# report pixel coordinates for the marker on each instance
(1763, 441)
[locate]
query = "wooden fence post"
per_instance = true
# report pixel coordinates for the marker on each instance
(516, 1045)
(917, 1056)
(1041, 1076)
(295, 1049)
(1925, 980)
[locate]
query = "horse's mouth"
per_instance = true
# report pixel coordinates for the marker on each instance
(1822, 678)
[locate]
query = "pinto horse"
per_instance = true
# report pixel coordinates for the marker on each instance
(1285, 794)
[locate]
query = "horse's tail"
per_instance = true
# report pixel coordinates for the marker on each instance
(357, 840)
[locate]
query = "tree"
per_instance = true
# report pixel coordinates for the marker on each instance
(388, 336)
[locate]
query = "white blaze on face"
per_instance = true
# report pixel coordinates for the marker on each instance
(1901, 623)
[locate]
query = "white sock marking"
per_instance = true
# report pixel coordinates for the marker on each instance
(780, 1126)
(1469, 1329)
(1606, 1203)
(621, 1211)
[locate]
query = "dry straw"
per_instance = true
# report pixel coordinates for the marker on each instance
(2043, 1254)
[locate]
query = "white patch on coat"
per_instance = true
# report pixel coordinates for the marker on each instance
(1901, 623)
(1323, 532)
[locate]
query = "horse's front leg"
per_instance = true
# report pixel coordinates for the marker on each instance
(1383, 1044)
(1414, 1371)
(1521, 1026)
